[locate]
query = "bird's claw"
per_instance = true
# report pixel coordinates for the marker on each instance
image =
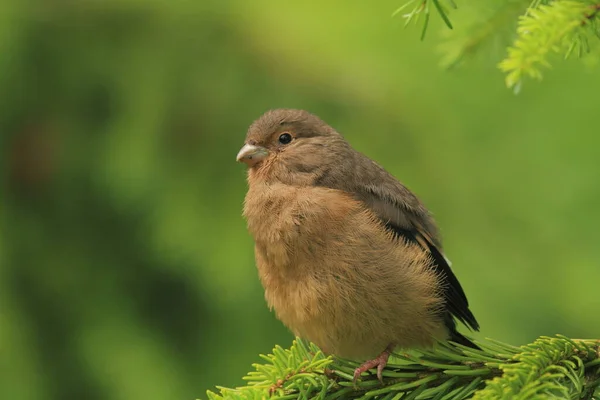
(380, 362)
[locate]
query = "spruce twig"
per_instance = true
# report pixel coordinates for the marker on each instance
(543, 28)
(550, 366)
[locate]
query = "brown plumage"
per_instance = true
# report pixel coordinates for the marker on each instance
(349, 258)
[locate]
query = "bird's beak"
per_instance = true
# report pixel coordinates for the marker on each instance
(251, 154)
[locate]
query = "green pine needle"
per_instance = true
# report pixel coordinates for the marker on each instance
(422, 7)
(556, 367)
(553, 28)
(544, 28)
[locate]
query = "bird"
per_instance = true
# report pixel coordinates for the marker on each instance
(349, 258)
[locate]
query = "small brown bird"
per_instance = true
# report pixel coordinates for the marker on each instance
(349, 258)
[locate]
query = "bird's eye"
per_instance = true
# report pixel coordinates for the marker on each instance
(285, 138)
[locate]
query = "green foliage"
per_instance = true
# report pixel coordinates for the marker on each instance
(422, 8)
(550, 367)
(560, 27)
(544, 27)
(298, 370)
(479, 29)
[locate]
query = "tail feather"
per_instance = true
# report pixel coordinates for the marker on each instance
(457, 337)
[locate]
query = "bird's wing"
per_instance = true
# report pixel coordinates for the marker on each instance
(416, 228)
(403, 213)
(456, 300)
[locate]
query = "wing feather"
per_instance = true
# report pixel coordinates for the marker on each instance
(402, 212)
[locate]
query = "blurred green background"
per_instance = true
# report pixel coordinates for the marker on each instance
(126, 268)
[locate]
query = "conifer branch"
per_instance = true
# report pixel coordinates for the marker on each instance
(483, 28)
(558, 27)
(544, 28)
(422, 8)
(549, 367)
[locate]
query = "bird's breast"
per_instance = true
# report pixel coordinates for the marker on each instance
(295, 226)
(299, 235)
(335, 276)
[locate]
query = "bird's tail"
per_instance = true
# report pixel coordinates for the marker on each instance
(457, 337)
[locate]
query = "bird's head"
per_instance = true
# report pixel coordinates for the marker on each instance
(290, 146)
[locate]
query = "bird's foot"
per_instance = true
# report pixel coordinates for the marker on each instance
(380, 362)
